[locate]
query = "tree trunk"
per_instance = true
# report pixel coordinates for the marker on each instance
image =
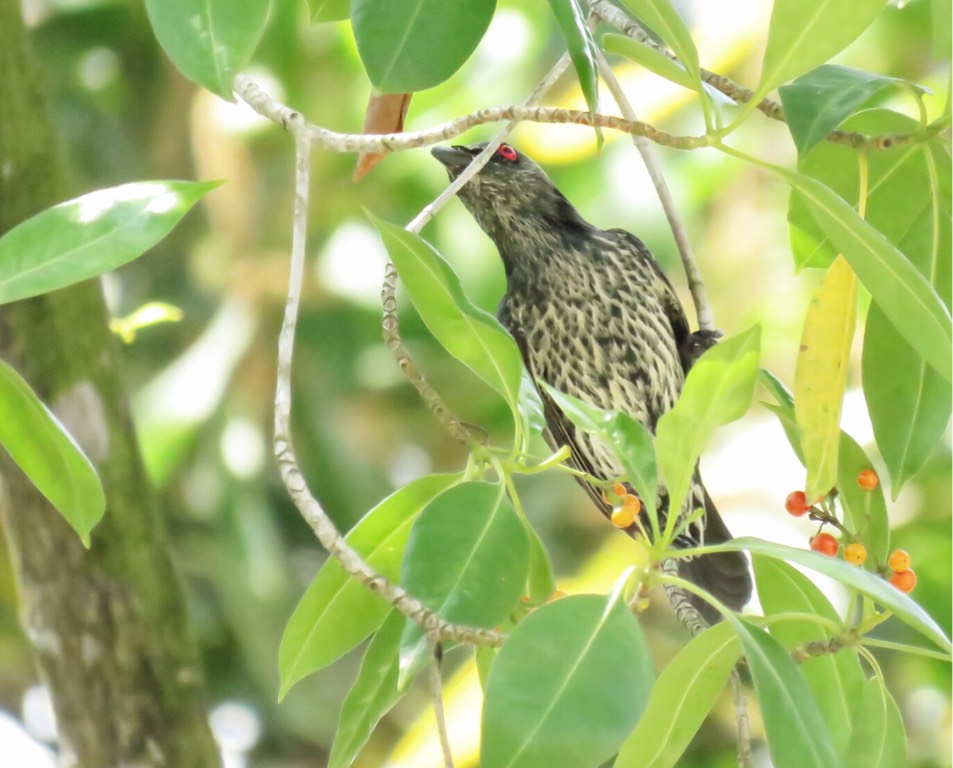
(107, 624)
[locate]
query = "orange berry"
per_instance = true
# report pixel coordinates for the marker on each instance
(867, 479)
(905, 581)
(825, 544)
(623, 517)
(899, 560)
(796, 503)
(632, 501)
(855, 553)
(619, 490)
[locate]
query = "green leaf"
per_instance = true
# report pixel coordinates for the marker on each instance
(47, 454)
(905, 296)
(804, 34)
(651, 59)
(632, 442)
(816, 103)
(898, 194)
(209, 40)
(821, 374)
(718, 390)
(330, 10)
(373, 694)
(796, 733)
(879, 739)
(567, 687)
(665, 21)
(467, 560)
(468, 333)
(911, 407)
(90, 235)
(337, 612)
(540, 581)
(865, 582)
(835, 679)
(410, 45)
(865, 512)
(681, 699)
(582, 48)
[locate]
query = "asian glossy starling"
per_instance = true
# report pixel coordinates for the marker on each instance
(594, 316)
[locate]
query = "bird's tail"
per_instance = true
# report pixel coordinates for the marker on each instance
(724, 574)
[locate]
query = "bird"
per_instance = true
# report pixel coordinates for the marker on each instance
(594, 316)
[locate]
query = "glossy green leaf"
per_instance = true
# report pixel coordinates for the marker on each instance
(467, 559)
(571, 18)
(898, 194)
(90, 235)
(681, 699)
(330, 10)
(540, 581)
(664, 20)
(835, 679)
(796, 733)
(865, 582)
(209, 40)
(651, 59)
(804, 34)
(865, 512)
(821, 374)
(337, 612)
(410, 45)
(567, 687)
(373, 694)
(911, 407)
(906, 297)
(717, 390)
(816, 103)
(632, 443)
(879, 739)
(47, 454)
(468, 333)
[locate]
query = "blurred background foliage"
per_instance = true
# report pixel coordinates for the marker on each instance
(202, 387)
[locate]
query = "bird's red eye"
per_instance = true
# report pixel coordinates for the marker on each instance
(507, 153)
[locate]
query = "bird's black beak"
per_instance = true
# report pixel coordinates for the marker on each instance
(454, 158)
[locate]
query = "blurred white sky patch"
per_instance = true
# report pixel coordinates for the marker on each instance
(18, 749)
(237, 729)
(243, 448)
(506, 39)
(352, 263)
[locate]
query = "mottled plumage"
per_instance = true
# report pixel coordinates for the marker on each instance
(595, 317)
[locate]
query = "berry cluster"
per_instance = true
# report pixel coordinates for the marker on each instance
(625, 508)
(855, 552)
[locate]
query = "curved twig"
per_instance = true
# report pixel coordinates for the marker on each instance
(294, 481)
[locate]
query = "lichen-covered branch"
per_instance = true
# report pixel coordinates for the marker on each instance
(294, 481)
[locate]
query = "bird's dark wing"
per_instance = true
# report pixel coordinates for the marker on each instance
(663, 287)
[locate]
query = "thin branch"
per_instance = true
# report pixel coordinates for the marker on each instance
(696, 284)
(436, 690)
(294, 481)
(741, 720)
(252, 94)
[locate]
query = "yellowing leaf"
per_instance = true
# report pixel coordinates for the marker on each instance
(821, 374)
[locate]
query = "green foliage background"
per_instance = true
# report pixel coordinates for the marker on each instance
(203, 386)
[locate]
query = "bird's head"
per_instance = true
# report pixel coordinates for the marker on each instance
(511, 196)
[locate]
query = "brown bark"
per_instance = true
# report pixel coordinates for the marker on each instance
(107, 624)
